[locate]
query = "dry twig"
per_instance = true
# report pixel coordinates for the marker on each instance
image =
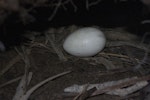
(114, 87)
(121, 85)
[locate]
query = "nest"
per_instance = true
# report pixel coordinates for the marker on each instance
(42, 61)
(41, 70)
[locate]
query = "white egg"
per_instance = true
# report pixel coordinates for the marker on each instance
(85, 42)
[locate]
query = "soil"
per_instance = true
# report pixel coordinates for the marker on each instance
(44, 63)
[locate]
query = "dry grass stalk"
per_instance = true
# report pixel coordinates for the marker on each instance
(56, 49)
(10, 82)
(121, 43)
(114, 55)
(88, 5)
(10, 64)
(101, 60)
(22, 95)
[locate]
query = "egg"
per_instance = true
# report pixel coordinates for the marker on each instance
(85, 42)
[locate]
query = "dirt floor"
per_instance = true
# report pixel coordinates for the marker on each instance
(45, 58)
